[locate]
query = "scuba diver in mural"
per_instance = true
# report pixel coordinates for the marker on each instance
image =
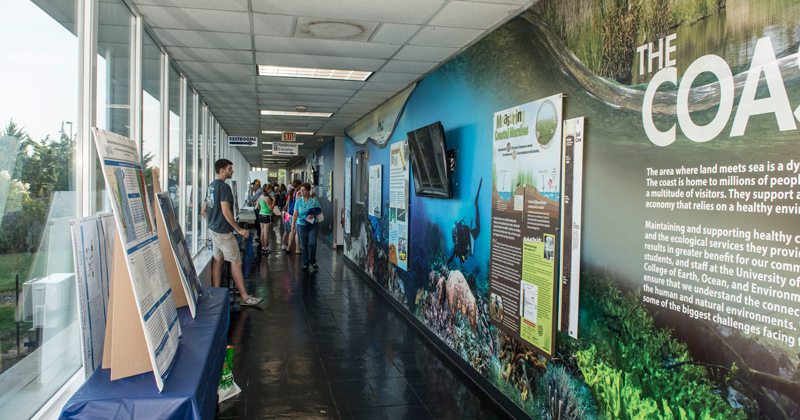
(463, 236)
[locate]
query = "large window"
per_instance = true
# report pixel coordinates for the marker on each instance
(201, 178)
(151, 108)
(39, 343)
(191, 163)
(175, 143)
(113, 107)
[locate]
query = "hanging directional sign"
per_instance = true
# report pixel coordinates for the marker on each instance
(279, 149)
(242, 141)
(289, 136)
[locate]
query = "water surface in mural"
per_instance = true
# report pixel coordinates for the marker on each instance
(689, 295)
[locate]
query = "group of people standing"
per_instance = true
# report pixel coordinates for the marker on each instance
(297, 208)
(297, 212)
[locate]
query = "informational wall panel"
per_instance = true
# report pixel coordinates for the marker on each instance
(526, 191)
(398, 204)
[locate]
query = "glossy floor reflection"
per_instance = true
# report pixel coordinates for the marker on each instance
(326, 345)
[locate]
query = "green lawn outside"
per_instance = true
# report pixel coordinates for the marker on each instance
(14, 263)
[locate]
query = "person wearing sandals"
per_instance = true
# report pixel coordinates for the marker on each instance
(218, 210)
(307, 226)
(267, 201)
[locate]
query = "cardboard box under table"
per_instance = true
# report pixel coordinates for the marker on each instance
(190, 391)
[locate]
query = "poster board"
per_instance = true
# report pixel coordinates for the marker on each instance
(93, 244)
(141, 299)
(571, 220)
(526, 193)
(375, 190)
(173, 243)
(398, 204)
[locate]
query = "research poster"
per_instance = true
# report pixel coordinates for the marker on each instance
(398, 204)
(180, 251)
(526, 193)
(571, 217)
(375, 190)
(93, 246)
(122, 170)
(348, 193)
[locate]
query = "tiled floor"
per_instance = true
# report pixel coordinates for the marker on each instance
(326, 345)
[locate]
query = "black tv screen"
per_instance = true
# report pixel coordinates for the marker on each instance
(428, 151)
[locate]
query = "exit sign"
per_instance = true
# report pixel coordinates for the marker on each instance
(289, 136)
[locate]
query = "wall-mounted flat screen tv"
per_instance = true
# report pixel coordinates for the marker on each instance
(428, 151)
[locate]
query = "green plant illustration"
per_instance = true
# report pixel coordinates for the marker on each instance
(636, 370)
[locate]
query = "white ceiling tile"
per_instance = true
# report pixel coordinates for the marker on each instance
(319, 61)
(386, 87)
(395, 33)
(315, 107)
(357, 108)
(309, 83)
(373, 94)
(402, 66)
(302, 99)
(327, 47)
(373, 102)
(215, 55)
(264, 86)
(407, 11)
(199, 67)
(218, 78)
(235, 5)
(464, 14)
(420, 53)
(327, 28)
(440, 36)
(196, 19)
(202, 39)
(206, 86)
(268, 24)
(387, 77)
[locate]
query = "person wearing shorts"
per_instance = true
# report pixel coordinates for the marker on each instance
(218, 210)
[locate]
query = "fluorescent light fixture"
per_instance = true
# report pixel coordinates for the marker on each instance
(299, 133)
(309, 73)
(267, 142)
(296, 113)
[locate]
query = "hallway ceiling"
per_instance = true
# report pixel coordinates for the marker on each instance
(218, 44)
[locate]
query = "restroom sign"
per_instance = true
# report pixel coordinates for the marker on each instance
(289, 136)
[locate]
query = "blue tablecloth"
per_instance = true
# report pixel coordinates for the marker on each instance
(190, 391)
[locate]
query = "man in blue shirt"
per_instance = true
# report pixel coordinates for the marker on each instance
(218, 210)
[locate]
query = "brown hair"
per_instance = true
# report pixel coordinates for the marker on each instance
(296, 183)
(306, 185)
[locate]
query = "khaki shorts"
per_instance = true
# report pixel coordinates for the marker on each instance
(225, 246)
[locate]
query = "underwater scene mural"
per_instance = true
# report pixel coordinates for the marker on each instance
(689, 304)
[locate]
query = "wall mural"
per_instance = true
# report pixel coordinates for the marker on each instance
(689, 299)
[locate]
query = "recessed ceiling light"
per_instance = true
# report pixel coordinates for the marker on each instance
(310, 73)
(299, 133)
(296, 114)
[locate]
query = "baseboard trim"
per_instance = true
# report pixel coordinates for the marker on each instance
(502, 401)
